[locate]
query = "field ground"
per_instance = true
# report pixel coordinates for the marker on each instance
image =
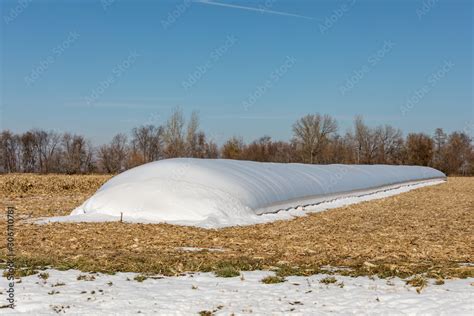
(427, 231)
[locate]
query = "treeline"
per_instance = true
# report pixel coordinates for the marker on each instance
(316, 140)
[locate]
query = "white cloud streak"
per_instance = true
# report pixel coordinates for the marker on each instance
(261, 10)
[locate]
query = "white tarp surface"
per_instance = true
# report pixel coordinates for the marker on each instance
(220, 192)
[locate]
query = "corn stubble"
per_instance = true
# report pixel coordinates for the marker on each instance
(427, 232)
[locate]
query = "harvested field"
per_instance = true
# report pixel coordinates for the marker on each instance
(47, 195)
(428, 230)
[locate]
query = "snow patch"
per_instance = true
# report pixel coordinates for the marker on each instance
(190, 294)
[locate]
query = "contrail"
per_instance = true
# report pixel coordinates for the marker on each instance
(262, 10)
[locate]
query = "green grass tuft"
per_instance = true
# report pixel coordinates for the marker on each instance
(418, 281)
(85, 277)
(328, 280)
(272, 279)
(140, 278)
(227, 271)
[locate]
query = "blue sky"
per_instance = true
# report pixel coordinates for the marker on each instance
(102, 67)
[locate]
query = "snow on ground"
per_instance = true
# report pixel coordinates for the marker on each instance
(219, 192)
(121, 294)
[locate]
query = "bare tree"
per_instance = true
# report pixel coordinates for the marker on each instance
(173, 135)
(259, 150)
(201, 147)
(192, 136)
(113, 157)
(390, 144)
(9, 151)
(147, 141)
(439, 157)
(419, 149)
(367, 142)
(458, 153)
(28, 153)
(47, 147)
(77, 154)
(283, 152)
(213, 150)
(312, 132)
(233, 148)
(315, 141)
(204, 148)
(341, 149)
